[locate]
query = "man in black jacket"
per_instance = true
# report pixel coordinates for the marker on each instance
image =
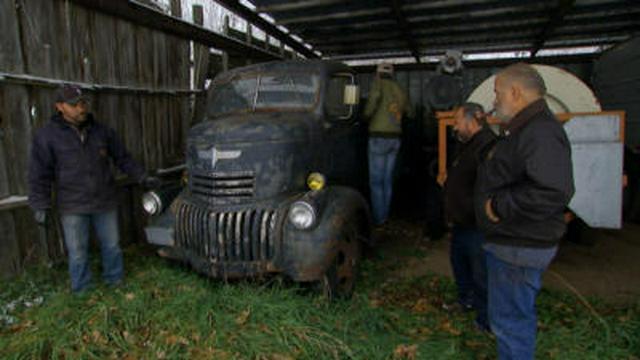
(71, 156)
(466, 253)
(522, 190)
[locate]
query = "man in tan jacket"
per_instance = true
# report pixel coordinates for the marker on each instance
(385, 107)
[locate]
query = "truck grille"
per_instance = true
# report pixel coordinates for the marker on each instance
(209, 186)
(227, 236)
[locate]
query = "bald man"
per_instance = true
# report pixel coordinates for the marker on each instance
(522, 190)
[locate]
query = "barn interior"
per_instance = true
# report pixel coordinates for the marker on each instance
(147, 64)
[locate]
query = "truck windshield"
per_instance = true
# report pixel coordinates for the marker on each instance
(264, 92)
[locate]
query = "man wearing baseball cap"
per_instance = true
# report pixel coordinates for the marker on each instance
(71, 157)
(386, 106)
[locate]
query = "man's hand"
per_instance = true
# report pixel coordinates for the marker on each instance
(491, 215)
(441, 179)
(151, 182)
(41, 217)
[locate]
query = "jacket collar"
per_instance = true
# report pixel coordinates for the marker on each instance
(58, 119)
(524, 116)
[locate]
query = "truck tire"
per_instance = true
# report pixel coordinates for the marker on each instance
(339, 280)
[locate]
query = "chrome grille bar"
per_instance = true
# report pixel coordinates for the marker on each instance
(247, 235)
(222, 185)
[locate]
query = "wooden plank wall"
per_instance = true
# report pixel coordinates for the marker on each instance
(61, 40)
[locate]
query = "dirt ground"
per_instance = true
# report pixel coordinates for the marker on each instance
(609, 268)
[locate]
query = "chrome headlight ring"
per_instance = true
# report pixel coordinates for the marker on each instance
(302, 215)
(151, 203)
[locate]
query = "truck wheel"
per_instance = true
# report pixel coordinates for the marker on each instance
(339, 280)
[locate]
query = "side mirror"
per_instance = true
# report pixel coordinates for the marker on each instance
(351, 94)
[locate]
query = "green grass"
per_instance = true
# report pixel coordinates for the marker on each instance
(167, 311)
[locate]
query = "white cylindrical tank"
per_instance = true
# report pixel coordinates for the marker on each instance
(565, 92)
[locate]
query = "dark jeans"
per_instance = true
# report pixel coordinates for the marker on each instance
(512, 307)
(468, 261)
(76, 237)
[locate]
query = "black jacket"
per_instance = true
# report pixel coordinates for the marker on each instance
(77, 166)
(529, 176)
(461, 178)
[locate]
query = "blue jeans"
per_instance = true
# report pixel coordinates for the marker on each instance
(76, 238)
(468, 261)
(512, 307)
(382, 160)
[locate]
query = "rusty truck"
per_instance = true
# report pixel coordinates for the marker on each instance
(274, 179)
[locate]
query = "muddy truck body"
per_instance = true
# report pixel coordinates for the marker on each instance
(275, 174)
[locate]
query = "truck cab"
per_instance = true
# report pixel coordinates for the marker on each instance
(275, 174)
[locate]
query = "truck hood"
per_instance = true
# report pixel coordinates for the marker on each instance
(254, 128)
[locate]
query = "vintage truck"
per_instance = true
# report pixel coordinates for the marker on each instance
(274, 179)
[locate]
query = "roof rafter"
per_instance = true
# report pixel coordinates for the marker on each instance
(396, 6)
(269, 28)
(298, 5)
(561, 10)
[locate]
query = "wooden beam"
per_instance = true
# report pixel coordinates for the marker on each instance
(144, 15)
(469, 48)
(267, 27)
(330, 28)
(396, 6)
(345, 15)
(298, 5)
(468, 29)
(488, 63)
(451, 42)
(556, 18)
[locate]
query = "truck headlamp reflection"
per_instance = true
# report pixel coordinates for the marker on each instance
(302, 215)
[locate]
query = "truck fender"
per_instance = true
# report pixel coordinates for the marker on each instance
(308, 253)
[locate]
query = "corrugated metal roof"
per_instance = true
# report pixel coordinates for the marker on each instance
(350, 29)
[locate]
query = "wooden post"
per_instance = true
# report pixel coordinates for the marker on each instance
(249, 34)
(176, 8)
(225, 55)
(201, 64)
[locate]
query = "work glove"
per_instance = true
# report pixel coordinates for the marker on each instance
(151, 182)
(41, 217)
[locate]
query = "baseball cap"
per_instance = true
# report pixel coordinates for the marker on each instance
(70, 94)
(385, 68)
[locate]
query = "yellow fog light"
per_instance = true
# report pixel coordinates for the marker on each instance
(316, 181)
(185, 178)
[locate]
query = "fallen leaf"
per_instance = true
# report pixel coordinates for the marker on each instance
(127, 336)
(175, 339)
(97, 337)
(21, 326)
(265, 329)
(421, 331)
(473, 344)
(447, 327)
(280, 357)
(403, 351)
(243, 317)
(422, 306)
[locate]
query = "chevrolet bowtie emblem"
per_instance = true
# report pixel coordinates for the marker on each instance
(223, 155)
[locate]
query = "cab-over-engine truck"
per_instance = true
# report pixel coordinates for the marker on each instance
(274, 179)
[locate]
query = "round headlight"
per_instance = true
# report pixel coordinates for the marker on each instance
(151, 203)
(302, 215)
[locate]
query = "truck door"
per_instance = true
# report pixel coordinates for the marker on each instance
(345, 135)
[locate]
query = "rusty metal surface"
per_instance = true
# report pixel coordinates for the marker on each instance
(245, 170)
